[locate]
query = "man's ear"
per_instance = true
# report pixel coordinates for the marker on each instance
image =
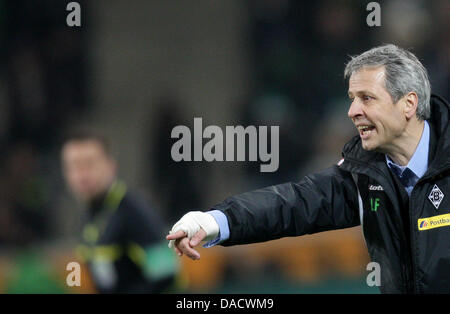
(411, 101)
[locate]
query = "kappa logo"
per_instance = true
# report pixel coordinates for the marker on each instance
(375, 187)
(436, 196)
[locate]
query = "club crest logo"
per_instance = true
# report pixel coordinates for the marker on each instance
(436, 196)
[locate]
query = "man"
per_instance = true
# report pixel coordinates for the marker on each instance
(393, 179)
(121, 240)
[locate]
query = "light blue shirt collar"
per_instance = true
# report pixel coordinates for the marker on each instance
(419, 160)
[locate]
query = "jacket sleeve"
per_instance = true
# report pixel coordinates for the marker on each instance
(319, 202)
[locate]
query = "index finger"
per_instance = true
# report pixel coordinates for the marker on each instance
(176, 235)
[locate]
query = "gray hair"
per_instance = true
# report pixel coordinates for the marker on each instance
(403, 74)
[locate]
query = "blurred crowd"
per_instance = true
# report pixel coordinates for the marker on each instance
(295, 51)
(43, 87)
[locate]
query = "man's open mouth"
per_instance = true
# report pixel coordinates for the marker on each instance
(365, 130)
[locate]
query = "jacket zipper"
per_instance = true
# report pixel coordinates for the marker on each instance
(411, 255)
(413, 248)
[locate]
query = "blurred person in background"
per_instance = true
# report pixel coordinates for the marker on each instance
(393, 180)
(121, 239)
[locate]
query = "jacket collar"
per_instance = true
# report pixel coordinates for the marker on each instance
(439, 121)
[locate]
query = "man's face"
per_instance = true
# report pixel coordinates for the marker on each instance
(87, 169)
(380, 122)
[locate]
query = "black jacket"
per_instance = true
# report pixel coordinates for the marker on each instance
(408, 237)
(120, 239)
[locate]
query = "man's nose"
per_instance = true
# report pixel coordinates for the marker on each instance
(355, 109)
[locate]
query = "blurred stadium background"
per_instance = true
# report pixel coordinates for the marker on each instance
(135, 69)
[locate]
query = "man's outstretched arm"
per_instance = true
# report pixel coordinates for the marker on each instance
(323, 201)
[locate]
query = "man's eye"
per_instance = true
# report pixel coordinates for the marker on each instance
(365, 97)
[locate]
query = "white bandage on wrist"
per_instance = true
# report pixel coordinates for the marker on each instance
(191, 223)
